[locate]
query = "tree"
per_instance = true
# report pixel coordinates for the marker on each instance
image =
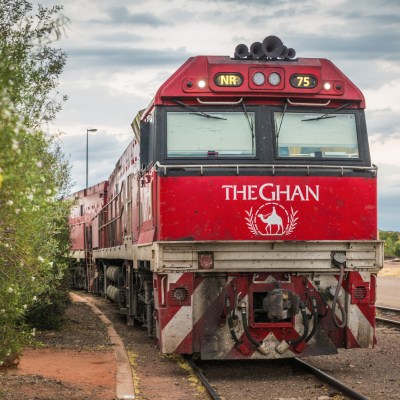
(392, 243)
(29, 65)
(33, 172)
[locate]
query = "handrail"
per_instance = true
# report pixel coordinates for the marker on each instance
(222, 103)
(118, 194)
(114, 219)
(104, 208)
(342, 168)
(294, 103)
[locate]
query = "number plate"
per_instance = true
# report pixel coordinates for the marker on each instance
(228, 79)
(303, 81)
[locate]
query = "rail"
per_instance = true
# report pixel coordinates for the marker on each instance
(388, 309)
(392, 311)
(330, 380)
(104, 208)
(210, 390)
(344, 389)
(273, 167)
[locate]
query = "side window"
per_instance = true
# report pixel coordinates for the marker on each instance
(147, 142)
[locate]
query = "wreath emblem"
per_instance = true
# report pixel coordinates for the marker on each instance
(271, 219)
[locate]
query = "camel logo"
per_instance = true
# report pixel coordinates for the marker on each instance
(271, 219)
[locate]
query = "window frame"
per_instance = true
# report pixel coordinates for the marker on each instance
(361, 132)
(265, 138)
(225, 159)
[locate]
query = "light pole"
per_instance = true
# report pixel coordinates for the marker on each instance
(87, 154)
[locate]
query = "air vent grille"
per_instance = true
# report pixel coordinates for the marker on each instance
(360, 292)
(179, 295)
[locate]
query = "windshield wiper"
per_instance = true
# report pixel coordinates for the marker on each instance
(250, 124)
(327, 115)
(248, 118)
(280, 125)
(195, 112)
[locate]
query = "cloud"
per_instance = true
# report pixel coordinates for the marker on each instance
(388, 196)
(356, 46)
(256, 2)
(383, 123)
(121, 15)
(386, 151)
(121, 57)
(119, 37)
(104, 150)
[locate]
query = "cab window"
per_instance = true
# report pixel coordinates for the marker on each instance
(316, 134)
(205, 134)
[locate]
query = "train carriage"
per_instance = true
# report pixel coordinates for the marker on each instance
(87, 203)
(241, 221)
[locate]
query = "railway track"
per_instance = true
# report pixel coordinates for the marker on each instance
(207, 385)
(388, 315)
(300, 364)
(330, 380)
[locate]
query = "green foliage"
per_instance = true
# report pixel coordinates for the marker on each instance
(29, 65)
(33, 173)
(47, 313)
(392, 243)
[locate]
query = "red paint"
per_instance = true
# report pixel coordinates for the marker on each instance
(87, 204)
(166, 309)
(311, 208)
(207, 67)
(366, 307)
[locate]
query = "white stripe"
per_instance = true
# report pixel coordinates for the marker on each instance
(358, 324)
(173, 277)
(177, 329)
(202, 307)
(180, 324)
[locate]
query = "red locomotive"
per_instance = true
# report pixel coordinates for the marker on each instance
(241, 221)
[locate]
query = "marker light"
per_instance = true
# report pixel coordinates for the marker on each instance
(206, 260)
(327, 86)
(258, 78)
(274, 79)
(201, 84)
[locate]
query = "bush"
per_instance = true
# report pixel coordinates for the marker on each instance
(48, 312)
(392, 243)
(33, 172)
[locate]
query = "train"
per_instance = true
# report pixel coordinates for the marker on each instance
(241, 220)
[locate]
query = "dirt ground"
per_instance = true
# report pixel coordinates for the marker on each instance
(391, 268)
(78, 362)
(75, 363)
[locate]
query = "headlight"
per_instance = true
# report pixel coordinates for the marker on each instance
(274, 79)
(258, 78)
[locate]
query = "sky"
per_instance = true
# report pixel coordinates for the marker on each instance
(120, 52)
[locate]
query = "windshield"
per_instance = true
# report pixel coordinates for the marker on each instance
(211, 134)
(316, 135)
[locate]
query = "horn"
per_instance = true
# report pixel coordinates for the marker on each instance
(284, 53)
(256, 50)
(291, 53)
(241, 51)
(272, 46)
